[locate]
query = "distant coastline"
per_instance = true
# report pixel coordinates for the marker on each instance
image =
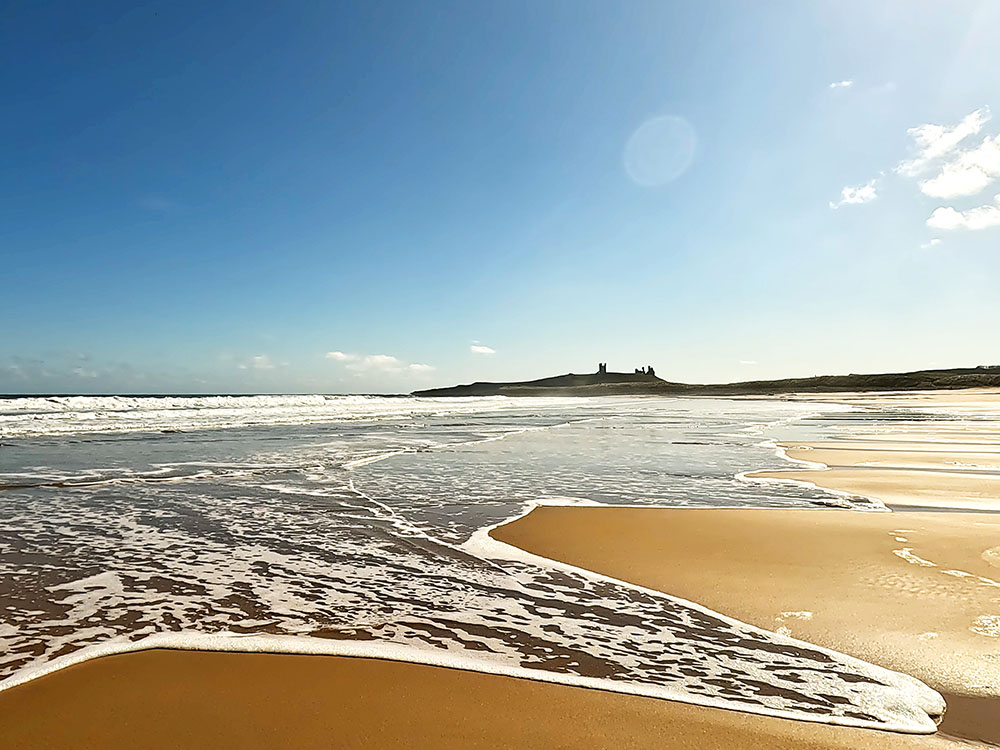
(639, 384)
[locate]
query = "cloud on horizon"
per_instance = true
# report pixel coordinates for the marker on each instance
(383, 363)
(262, 362)
(480, 349)
(259, 362)
(378, 362)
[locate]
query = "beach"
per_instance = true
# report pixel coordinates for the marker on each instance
(911, 591)
(949, 460)
(915, 590)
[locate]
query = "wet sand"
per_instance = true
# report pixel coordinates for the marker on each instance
(903, 488)
(914, 592)
(969, 401)
(765, 567)
(943, 451)
(160, 700)
(918, 466)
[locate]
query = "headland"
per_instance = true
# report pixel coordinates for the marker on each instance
(645, 382)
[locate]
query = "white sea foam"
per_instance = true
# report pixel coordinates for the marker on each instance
(909, 702)
(907, 554)
(369, 537)
(797, 615)
(928, 703)
(835, 498)
(68, 415)
(838, 498)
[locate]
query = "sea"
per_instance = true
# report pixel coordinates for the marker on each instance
(358, 526)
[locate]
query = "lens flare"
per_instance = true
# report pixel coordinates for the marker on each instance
(660, 151)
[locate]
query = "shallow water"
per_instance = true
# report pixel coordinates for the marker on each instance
(348, 525)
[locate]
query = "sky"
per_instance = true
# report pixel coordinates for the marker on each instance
(377, 197)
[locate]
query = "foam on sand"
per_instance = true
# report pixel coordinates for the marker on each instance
(878, 697)
(913, 706)
(771, 567)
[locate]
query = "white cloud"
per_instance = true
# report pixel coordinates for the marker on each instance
(856, 195)
(982, 217)
(748, 361)
(930, 243)
(968, 173)
(935, 142)
(841, 84)
(382, 363)
(258, 362)
(379, 362)
(480, 349)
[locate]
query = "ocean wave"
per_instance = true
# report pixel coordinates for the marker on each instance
(68, 415)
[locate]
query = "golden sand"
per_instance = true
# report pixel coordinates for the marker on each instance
(914, 592)
(167, 700)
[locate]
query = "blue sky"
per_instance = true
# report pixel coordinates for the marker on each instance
(367, 197)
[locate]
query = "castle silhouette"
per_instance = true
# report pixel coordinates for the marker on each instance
(602, 369)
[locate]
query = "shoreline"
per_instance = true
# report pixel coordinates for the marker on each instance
(486, 544)
(973, 713)
(836, 578)
(482, 544)
(669, 724)
(949, 461)
(163, 699)
(898, 474)
(725, 728)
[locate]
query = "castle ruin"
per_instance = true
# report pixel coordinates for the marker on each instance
(602, 369)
